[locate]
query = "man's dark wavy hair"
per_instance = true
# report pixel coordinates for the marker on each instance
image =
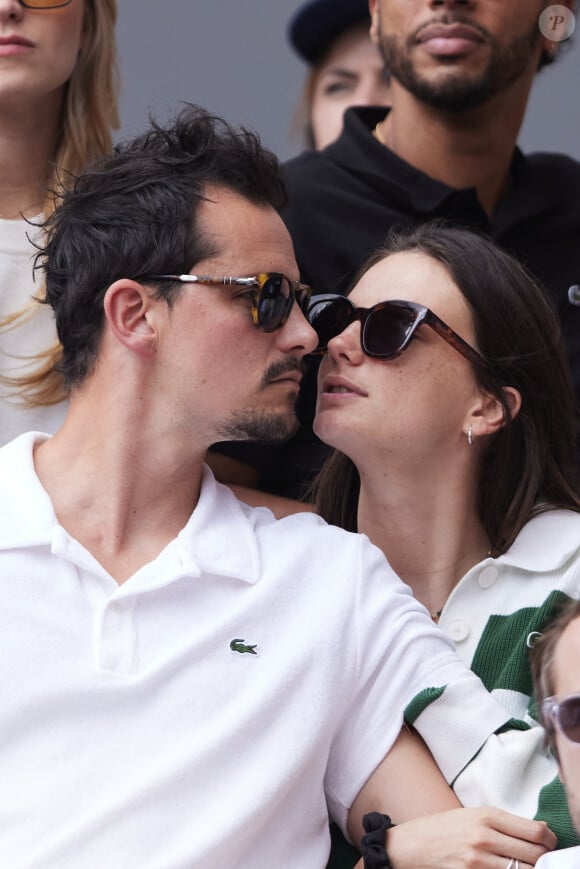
(135, 213)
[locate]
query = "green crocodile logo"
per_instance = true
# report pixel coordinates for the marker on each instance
(239, 645)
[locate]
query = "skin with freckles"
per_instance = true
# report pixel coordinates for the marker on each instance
(404, 423)
(355, 391)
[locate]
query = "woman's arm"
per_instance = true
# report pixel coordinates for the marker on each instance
(484, 838)
(432, 832)
(406, 785)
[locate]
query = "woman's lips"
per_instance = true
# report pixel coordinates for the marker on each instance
(340, 386)
(11, 45)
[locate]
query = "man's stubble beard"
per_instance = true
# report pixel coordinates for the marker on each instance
(257, 424)
(456, 92)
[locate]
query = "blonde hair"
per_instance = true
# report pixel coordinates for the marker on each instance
(89, 114)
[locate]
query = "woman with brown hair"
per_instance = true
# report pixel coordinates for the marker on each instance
(58, 104)
(444, 391)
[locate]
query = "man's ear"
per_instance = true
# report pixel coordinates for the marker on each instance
(374, 13)
(487, 415)
(129, 312)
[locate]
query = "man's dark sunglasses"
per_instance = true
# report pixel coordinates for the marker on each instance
(386, 328)
(563, 715)
(272, 299)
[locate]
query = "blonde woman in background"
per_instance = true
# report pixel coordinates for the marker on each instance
(345, 68)
(58, 105)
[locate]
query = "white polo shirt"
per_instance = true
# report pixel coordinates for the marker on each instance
(204, 712)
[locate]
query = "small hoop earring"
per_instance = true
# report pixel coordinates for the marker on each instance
(470, 436)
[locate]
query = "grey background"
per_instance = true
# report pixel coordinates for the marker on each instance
(231, 56)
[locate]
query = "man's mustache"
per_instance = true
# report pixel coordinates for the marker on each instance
(280, 368)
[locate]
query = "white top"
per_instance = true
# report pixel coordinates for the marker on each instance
(27, 338)
(205, 711)
(569, 858)
(492, 615)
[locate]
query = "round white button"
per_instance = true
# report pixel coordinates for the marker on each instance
(488, 576)
(458, 630)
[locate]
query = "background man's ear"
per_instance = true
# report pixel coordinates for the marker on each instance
(374, 12)
(128, 309)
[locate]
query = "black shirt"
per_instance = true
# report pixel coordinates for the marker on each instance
(343, 201)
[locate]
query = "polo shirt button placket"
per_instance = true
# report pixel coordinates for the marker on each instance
(458, 630)
(116, 637)
(487, 576)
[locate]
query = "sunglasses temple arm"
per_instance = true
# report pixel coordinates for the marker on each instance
(452, 338)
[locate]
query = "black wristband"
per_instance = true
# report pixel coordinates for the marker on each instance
(374, 841)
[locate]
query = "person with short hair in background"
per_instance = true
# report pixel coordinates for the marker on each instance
(556, 671)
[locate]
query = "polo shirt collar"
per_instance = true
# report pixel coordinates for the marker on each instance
(218, 539)
(546, 542)
(358, 152)
(361, 154)
(28, 515)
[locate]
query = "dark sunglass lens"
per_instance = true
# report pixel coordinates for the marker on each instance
(570, 718)
(386, 329)
(329, 318)
(274, 302)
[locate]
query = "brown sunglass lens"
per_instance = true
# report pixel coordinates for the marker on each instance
(45, 4)
(386, 329)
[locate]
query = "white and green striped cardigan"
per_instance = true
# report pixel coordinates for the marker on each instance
(492, 616)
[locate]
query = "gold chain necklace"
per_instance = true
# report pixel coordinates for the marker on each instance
(435, 616)
(378, 134)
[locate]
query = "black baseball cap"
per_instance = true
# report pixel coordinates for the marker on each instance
(318, 22)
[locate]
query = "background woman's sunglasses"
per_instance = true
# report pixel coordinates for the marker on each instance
(386, 328)
(44, 4)
(564, 715)
(272, 299)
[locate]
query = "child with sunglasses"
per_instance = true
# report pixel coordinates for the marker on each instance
(445, 393)
(556, 674)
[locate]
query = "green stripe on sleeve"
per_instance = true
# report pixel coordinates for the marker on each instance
(420, 702)
(553, 808)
